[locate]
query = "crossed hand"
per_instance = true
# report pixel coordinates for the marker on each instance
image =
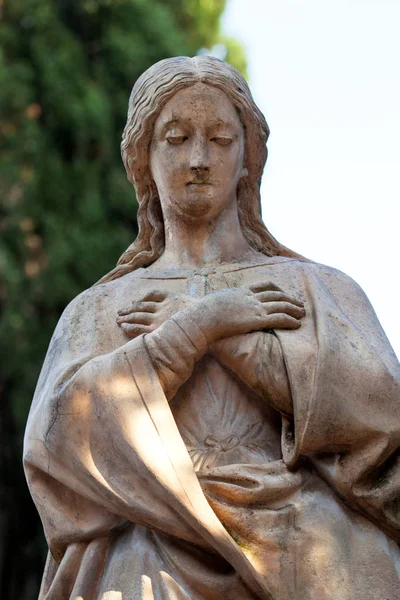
(220, 314)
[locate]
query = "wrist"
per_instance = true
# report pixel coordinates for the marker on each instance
(201, 314)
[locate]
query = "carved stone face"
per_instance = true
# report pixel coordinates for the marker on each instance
(197, 152)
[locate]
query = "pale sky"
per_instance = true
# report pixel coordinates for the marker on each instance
(326, 74)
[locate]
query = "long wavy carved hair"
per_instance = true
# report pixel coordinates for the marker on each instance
(150, 93)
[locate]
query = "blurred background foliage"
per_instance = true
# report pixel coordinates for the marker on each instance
(67, 211)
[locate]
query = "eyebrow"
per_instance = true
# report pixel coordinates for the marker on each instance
(176, 121)
(171, 122)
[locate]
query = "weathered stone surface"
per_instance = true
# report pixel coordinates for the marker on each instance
(219, 417)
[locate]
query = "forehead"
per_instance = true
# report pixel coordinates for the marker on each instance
(199, 103)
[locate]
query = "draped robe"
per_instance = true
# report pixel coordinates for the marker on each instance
(216, 494)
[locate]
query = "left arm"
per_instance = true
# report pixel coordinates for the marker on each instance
(255, 357)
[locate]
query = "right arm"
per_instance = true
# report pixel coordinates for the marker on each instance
(210, 323)
(87, 440)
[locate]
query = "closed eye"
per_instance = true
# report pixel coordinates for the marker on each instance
(222, 141)
(176, 140)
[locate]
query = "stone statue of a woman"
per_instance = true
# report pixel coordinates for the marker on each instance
(218, 417)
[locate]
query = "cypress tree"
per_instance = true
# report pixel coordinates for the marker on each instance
(67, 211)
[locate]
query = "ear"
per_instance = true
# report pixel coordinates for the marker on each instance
(244, 172)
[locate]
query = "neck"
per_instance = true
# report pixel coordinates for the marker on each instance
(196, 243)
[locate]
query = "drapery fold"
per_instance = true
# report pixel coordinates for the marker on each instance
(345, 384)
(102, 449)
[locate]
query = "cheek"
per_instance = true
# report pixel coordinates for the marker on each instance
(168, 170)
(229, 165)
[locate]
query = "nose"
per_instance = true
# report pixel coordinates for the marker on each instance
(200, 172)
(199, 159)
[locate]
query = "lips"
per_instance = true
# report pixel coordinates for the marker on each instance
(199, 182)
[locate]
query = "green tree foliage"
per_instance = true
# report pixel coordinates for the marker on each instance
(66, 209)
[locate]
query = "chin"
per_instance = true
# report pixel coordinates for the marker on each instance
(200, 206)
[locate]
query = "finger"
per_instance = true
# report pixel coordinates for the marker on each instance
(141, 318)
(134, 330)
(278, 296)
(155, 296)
(281, 321)
(284, 307)
(264, 286)
(149, 307)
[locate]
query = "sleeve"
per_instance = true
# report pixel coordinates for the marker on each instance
(174, 348)
(102, 447)
(257, 359)
(345, 382)
(86, 448)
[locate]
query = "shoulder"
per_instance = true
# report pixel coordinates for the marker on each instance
(87, 313)
(319, 281)
(334, 279)
(84, 303)
(88, 323)
(312, 268)
(334, 292)
(96, 298)
(94, 310)
(306, 271)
